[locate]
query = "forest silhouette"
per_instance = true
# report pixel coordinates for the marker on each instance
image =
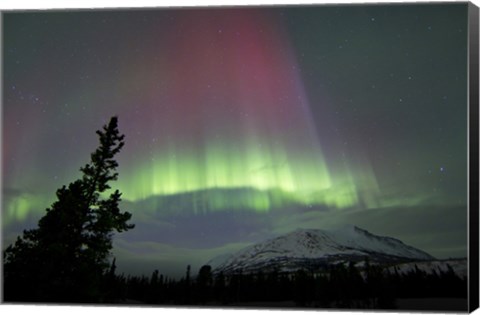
(337, 286)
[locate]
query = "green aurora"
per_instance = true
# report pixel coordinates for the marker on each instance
(244, 123)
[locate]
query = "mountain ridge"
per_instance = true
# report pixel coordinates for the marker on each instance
(315, 248)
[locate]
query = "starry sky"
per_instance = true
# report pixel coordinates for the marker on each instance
(242, 124)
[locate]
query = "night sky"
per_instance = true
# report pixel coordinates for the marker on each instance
(243, 124)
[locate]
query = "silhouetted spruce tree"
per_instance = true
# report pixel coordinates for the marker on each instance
(187, 287)
(66, 257)
(219, 288)
(204, 284)
(111, 283)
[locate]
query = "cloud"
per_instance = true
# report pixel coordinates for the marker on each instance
(171, 245)
(199, 230)
(439, 230)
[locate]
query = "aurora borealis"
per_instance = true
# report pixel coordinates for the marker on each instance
(243, 123)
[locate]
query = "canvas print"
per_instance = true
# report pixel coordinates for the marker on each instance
(294, 157)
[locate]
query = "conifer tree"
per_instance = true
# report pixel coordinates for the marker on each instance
(65, 258)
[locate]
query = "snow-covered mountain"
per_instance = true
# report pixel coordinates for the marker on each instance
(313, 249)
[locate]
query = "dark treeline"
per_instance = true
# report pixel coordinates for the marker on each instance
(339, 286)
